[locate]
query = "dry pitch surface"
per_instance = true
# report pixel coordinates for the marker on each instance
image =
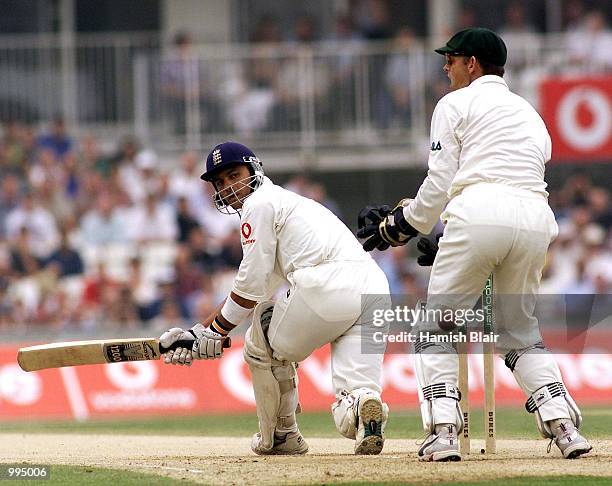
(228, 460)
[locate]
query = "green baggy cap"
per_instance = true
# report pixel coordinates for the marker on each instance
(484, 44)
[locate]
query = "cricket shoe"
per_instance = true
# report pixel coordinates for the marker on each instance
(285, 444)
(568, 440)
(372, 415)
(441, 446)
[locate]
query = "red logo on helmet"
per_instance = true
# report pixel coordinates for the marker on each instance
(246, 230)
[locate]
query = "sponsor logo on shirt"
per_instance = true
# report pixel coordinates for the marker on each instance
(246, 231)
(436, 146)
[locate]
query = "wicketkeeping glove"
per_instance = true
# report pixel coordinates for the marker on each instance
(429, 250)
(386, 227)
(368, 222)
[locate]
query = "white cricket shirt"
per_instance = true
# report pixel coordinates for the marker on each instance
(282, 232)
(480, 133)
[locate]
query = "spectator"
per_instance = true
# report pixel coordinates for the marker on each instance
(91, 159)
(9, 199)
(39, 222)
(13, 150)
(98, 291)
(140, 178)
(72, 175)
(23, 262)
(144, 290)
(599, 200)
(573, 15)
(348, 45)
(401, 80)
(57, 140)
(169, 315)
(46, 168)
(152, 221)
(305, 29)
(66, 260)
(266, 30)
(516, 22)
(253, 98)
(200, 256)
(576, 189)
(185, 181)
(466, 18)
(231, 251)
(104, 224)
(119, 307)
(188, 278)
(185, 222)
(185, 84)
(590, 46)
(52, 198)
(518, 34)
(373, 19)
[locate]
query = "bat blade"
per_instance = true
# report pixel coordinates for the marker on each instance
(75, 353)
(57, 355)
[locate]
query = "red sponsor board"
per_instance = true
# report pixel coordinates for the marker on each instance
(224, 386)
(578, 114)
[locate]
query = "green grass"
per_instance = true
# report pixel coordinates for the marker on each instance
(73, 475)
(100, 476)
(511, 423)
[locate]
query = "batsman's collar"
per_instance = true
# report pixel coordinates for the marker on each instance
(482, 43)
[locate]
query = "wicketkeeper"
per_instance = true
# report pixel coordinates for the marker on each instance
(334, 287)
(486, 181)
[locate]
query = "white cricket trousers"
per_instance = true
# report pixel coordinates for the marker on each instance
(324, 305)
(493, 228)
(499, 229)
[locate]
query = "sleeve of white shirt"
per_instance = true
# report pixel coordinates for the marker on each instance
(258, 239)
(423, 213)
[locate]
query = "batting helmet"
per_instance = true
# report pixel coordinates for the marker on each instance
(227, 154)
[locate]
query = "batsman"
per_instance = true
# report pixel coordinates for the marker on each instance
(485, 181)
(334, 288)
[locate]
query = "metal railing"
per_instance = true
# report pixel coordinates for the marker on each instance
(325, 98)
(285, 97)
(86, 79)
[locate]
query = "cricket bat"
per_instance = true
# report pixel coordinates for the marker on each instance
(75, 353)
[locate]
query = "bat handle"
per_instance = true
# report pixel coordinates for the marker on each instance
(188, 343)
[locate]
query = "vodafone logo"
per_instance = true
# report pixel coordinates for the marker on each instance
(18, 387)
(246, 230)
(134, 375)
(584, 118)
(246, 234)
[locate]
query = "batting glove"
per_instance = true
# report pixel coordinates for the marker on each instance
(179, 355)
(209, 344)
(206, 344)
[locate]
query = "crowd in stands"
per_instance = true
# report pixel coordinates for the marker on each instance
(266, 92)
(89, 241)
